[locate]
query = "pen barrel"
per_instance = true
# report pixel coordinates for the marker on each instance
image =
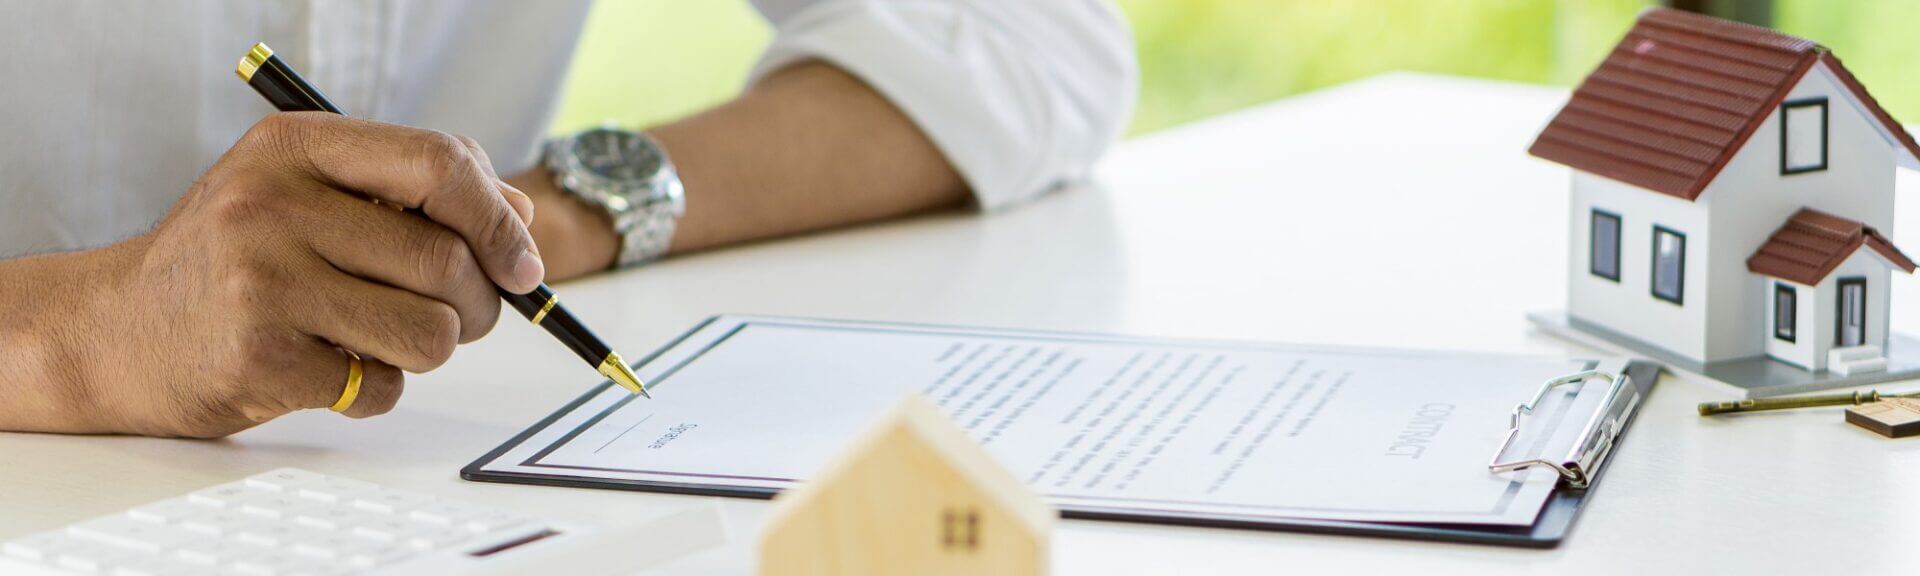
(288, 92)
(543, 308)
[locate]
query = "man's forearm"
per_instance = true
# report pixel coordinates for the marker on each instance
(808, 147)
(43, 323)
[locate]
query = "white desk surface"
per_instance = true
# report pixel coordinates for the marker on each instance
(1397, 211)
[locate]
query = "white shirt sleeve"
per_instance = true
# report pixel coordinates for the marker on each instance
(1020, 95)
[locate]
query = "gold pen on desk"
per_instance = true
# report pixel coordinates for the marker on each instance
(289, 92)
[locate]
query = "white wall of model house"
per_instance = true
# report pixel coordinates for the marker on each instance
(1723, 310)
(1751, 199)
(1628, 306)
(1817, 311)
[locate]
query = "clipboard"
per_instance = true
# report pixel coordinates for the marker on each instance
(1580, 468)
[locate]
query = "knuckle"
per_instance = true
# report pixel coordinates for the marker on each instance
(252, 282)
(444, 156)
(276, 131)
(273, 125)
(261, 355)
(434, 332)
(503, 236)
(445, 259)
(240, 203)
(482, 317)
(380, 393)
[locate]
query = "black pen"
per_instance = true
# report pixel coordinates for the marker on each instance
(290, 93)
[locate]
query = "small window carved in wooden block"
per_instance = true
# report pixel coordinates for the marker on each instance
(960, 529)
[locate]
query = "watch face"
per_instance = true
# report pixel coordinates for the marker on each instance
(617, 155)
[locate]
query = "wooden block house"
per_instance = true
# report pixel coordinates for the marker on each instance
(913, 495)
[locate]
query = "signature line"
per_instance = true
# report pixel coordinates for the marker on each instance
(622, 433)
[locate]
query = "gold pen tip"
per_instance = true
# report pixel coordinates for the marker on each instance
(614, 368)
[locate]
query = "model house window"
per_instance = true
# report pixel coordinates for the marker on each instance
(1785, 301)
(1669, 264)
(1604, 254)
(1803, 136)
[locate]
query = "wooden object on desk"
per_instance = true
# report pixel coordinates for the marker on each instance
(913, 495)
(1892, 417)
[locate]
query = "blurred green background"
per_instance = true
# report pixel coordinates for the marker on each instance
(643, 62)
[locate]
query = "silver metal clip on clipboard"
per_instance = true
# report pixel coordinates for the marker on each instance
(1595, 441)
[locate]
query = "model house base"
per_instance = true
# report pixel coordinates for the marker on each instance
(1754, 377)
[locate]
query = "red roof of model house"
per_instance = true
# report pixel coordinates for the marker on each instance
(1678, 97)
(1813, 243)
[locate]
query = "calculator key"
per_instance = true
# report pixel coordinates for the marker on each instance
(333, 546)
(269, 505)
(379, 556)
(210, 551)
(265, 563)
(221, 496)
(270, 534)
(283, 480)
(215, 523)
(390, 529)
(495, 522)
(42, 547)
(333, 517)
(391, 501)
(168, 511)
(129, 533)
(335, 489)
(325, 570)
(444, 513)
(158, 566)
(438, 539)
(95, 559)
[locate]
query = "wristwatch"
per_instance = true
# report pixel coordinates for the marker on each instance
(628, 177)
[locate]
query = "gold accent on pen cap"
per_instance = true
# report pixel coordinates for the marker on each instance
(616, 369)
(252, 62)
(542, 314)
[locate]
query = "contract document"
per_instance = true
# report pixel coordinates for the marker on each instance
(1103, 424)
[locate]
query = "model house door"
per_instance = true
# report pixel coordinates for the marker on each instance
(1853, 312)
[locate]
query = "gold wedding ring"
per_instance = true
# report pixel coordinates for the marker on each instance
(354, 371)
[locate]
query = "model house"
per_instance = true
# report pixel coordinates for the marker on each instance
(1732, 196)
(914, 495)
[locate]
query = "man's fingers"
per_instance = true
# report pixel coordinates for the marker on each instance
(407, 330)
(309, 373)
(380, 387)
(432, 171)
(522, 205)
(406, 252)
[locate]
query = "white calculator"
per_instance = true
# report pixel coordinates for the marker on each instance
(295, 522)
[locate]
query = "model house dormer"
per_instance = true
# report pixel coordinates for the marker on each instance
(1699, 146)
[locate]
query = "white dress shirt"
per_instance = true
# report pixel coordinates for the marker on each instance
(109, 109)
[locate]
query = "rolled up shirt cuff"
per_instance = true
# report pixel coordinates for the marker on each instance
(1020, 96)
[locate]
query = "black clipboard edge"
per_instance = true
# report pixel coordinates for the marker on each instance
(1548, 530)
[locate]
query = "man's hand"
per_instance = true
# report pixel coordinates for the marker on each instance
(233, 310)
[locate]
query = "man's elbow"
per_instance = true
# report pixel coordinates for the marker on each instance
(1113, 77)
(1084, 80)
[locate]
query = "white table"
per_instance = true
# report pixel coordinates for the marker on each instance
(1398, 211)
